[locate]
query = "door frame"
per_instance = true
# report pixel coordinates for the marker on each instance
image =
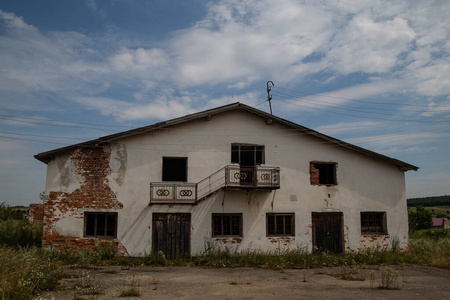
(326, 221)
(170, 242)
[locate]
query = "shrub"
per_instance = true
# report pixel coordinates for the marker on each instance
(9, 213)
(20, 233)
(420, 219)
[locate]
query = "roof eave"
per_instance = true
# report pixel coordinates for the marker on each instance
(47, 156)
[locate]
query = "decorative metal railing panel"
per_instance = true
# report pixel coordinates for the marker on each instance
(173, 192)
(232, 176)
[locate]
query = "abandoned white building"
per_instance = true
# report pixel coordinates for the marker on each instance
(231, 177)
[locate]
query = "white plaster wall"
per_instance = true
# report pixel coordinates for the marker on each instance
(61, 175)
(364, 184)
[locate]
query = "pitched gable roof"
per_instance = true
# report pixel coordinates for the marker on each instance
(49, 155)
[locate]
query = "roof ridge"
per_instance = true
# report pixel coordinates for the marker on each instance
(48, 155)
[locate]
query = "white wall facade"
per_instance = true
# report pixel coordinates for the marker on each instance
(363, 184)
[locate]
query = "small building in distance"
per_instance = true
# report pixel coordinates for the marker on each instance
(441, 223)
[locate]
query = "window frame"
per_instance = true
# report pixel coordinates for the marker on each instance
(95, 229)
(259, 159)
(163, 177)
(283, 215)
(334, 165)
(222, 215)
(379, 217)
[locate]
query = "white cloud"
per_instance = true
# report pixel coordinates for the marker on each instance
(247, 98)
(124, 111)
(256, 39)
(397, 142)
(235, 45)
(141, 61)
(369, 46)
(346, 127)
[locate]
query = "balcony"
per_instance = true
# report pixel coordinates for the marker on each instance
(233, 176)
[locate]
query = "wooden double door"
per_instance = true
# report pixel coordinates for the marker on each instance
(327, 229)
(172, 234)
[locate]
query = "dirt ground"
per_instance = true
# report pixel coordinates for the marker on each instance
(411, 282)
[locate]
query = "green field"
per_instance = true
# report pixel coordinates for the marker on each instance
(444, 209)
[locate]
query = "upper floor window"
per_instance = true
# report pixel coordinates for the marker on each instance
(100, 224)
(174, 169)
(373, 222)
(247, 154)
(323, 173)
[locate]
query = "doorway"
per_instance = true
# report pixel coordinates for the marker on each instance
(327, 232)
(248, 156)
(172, 234)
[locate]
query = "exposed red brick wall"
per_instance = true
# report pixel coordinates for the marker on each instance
(314, 174)
(94, 194)
(36, 213)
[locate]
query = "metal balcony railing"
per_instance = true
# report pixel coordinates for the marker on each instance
(232, 176)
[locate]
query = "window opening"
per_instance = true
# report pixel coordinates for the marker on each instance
(247, 155)
(323, 173)
(280, 224)
(100, 224)
(373, 223)
(174, 169)
(227, 224)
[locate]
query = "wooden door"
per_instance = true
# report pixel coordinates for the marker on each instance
(172, 234)
(327, 232)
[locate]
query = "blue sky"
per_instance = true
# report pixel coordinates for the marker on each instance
(372, 73)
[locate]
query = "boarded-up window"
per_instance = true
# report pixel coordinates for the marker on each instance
(323, 173)
(174, 169)
(373, 222)
(227, 224)
(280, 224)
(100, 224)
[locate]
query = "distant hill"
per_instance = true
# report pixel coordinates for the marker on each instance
(429, 201)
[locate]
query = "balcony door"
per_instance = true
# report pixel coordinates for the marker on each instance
(248, 156)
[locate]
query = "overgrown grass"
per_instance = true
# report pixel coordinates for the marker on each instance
(26, 272)
(16, 231)
(9, 213)
(431, 247)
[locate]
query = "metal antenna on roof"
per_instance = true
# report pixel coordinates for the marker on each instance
(269, 97)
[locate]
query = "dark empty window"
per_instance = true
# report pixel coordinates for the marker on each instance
(174, 169)
(323, 173)
(227, 224)
(247, 155)
(280, 224)
(373, 222)
(100, 224)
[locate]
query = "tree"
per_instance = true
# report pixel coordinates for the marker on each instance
(420, 219)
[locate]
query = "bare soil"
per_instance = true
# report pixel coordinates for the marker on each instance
(410, 282)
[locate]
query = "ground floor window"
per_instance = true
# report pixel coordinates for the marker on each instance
(100, 224)
(227, 224)
(280, 224)
(373, 222)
